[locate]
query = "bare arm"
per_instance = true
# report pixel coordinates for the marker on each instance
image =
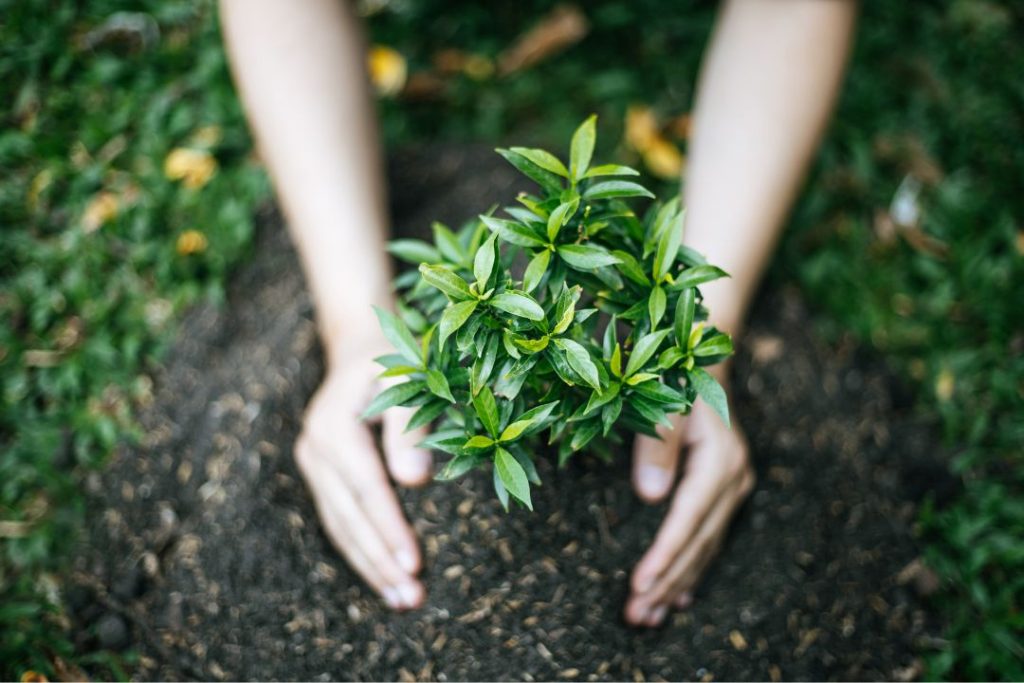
(300, 69)
(768, 84)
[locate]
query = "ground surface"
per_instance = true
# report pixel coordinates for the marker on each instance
(205, 555)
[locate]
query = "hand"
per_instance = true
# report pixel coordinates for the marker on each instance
(354, 499)
(717, 479)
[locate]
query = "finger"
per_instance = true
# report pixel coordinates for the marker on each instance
(684, 571)
(352, 531)
(690, 504)
(654, 462)
(366, 480)
(398, 588)
(408, 464)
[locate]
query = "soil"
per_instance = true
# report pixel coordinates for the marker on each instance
(205, 557)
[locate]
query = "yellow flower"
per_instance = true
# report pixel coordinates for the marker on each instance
(31, 676)
(388, 70)
(193, 167)
(100, 209)
(191, 242)
(663, 159)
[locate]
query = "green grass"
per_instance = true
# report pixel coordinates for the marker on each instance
(85, 313)
(935, 89)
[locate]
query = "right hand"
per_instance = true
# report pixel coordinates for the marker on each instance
(355, 501)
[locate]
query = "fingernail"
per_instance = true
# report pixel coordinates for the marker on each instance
(392, 597)
(657, 615)
(406, 560)
(653, 480)
(409, 593)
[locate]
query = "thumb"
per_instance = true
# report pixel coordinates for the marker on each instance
(408, 464)
(655, 461)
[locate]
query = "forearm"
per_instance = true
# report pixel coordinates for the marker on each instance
(767, 87)
(300, 71)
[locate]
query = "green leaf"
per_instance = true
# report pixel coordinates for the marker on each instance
(513, 476)
(546, 179)
(535, 270)
(610, 189)
(445, 280)
(685, 308)
(396, 332)
(425, 414)
(460, 465)
(454, 317)
(668, 247)
(565, 309)
(697, 275)
(598, 399)
(528, 466)
(670, 357)
(711, 391)
(610, 413)
(610, 169)
(718, 345)
(695, 335)
(562, 214)
(483, 262)
(644, 349)
(414, 251)
(486, 410)
(399, 371)
(586, 256)
(531, 345)
(630, 267)
(656, 305)
(479, 441)
(542, 158)
(581, 150)
(580, 361)
(499, 489)
(400, 394)
(521, 305)
(526, 421)
(641, 377)
(449, 245)
(584, 434)
(438, 385)
(513, 232)
(691, 256)
(616, 361)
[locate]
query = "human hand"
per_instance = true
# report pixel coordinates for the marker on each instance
(354, 499)
(717, 479)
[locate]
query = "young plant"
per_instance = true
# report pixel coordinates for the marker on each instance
(569, 321)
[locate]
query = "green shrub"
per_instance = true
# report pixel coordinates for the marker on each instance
(578, 342)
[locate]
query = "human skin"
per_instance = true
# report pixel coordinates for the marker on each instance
(766, 89)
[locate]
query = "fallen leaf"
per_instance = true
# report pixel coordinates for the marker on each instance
(663, 159)
(452, 61)
(737, 640)
(945, 385)
(41, 358)
(39, 184)
(641, 127)
(680, 126)
(194, 167)
(388, 70)
(563, 27)
(100, 209)
(191, 242)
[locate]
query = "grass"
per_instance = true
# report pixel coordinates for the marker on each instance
(93, 263)
(97, 261)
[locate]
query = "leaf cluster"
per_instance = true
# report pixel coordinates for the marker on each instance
(565, 320)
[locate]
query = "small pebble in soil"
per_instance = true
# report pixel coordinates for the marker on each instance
(112, 632)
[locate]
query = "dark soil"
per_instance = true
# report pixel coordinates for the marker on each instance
(205, 556)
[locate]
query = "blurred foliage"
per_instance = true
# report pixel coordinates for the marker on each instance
(99, 253)
(102, 249)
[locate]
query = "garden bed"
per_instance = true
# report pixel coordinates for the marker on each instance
(204, 554)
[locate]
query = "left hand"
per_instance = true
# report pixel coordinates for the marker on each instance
(717, 479)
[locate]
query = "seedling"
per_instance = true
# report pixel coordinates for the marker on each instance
(567, 321)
